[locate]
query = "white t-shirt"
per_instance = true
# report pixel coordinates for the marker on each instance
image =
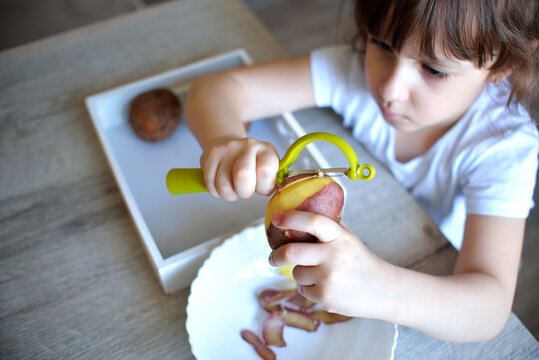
(485, 164)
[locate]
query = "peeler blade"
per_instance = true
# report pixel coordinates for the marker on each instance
(321, 172)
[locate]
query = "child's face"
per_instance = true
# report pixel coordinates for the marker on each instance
(415, 95)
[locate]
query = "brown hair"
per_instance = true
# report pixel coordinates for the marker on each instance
(500, 33)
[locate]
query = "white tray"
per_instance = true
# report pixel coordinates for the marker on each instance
(179, 231)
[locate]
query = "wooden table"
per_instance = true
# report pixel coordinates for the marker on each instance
(75, 281)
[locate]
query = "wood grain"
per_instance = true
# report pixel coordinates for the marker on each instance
(75, 281)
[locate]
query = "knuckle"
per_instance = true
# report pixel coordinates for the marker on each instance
(242, 174)
(220, 147)
(206, 158)
(270, 146)
(223, 187)
(316, 221)
(270, 153)
(249, 142)
(213, 154)
(290, 252)
(266, 170)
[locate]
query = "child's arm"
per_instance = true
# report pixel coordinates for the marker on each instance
(471, 305)
(217, 108)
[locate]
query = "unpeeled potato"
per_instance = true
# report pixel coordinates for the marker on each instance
(155, 114)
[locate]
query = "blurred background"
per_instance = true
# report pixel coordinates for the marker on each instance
(299, 25)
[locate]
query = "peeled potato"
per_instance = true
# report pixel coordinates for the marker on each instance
(317, 194)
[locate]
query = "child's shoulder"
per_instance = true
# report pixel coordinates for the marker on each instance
(337, 51)
(341, 57)
(338, 78)
(494, 118)
(494, 134)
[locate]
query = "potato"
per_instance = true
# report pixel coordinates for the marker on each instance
(155, 114)
(317, 194)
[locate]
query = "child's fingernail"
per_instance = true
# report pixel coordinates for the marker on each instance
(270, 259)
(277, 218)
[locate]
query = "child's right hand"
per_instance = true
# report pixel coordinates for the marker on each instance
(238, 168)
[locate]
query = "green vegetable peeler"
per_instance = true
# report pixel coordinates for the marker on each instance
(184, 181)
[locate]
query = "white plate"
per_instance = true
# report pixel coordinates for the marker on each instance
(223, 302)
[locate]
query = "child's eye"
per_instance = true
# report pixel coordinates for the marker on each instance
(382, 45)
(434, 72)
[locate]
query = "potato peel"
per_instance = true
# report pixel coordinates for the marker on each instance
(300, 320)
(272, 329)
(286, 307)
(260, 347)
(272, 299)
(327, 317)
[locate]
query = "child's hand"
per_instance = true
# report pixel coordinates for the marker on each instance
(339, 272)
(238, 168)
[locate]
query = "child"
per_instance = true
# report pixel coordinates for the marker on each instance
(434, 90)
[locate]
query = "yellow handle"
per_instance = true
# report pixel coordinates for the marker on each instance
(354, 172)
(185, 181)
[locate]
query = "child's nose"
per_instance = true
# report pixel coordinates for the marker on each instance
(395, 86)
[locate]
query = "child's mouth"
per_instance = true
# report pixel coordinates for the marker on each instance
(391, 116)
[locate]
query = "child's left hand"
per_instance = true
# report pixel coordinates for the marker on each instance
(338, 272)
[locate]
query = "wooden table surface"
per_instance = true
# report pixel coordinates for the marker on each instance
(75, 281)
